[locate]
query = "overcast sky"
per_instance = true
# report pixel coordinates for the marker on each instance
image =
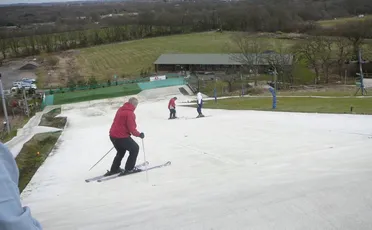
(31, 1)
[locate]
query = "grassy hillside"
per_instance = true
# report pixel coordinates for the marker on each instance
(130, 58)
(333, 22)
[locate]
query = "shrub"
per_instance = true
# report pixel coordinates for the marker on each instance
(52, 60)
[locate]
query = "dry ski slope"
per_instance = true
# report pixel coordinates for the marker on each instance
(232, 170)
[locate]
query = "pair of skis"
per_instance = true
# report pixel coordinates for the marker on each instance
(113, 176)
(187, 118)
(199, 117)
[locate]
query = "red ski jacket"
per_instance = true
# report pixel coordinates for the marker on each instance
(124, 123)
(172, 104)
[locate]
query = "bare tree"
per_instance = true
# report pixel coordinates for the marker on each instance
(343, 52)
(282, 62)
(230, 76)
(325, 55)
(250, 49)
(317, 52)
(356, 32)
(310, 51)
(367, 52)
(3, 47)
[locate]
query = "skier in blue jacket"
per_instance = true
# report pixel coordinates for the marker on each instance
(12, 215)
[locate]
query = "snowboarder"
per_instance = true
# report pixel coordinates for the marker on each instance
(12, 214)
(172, 108)
(123, 126)
(200, 104)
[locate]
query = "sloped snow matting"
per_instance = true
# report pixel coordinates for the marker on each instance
(231, 170)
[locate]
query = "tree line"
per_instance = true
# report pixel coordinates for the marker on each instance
(36, 44)
(251, 15)
(18, 46)
(328, 52)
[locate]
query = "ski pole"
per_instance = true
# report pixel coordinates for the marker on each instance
(101, 158)
(144, 156)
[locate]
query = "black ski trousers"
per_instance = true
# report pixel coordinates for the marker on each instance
(122, 145)
(172, 113)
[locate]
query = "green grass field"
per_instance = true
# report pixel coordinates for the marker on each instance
(336, 92)
(334, 22)
(131, 57)
(94, 94)
(311, 105)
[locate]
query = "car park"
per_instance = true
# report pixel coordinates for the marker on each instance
(28, 84)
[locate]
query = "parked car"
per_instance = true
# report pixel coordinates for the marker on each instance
(17, 84)
(26, 84)
(29, 80)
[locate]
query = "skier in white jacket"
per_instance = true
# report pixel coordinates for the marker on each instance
(200, 104)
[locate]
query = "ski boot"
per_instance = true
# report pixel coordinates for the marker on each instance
(109, 173)
(134, 170)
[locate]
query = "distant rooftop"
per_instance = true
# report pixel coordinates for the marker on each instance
(211, 59)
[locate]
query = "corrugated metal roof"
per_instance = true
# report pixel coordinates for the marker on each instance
(213, 59)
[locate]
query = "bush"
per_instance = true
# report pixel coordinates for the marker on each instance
(255, 91)
(71, 84)
(92, 82)
(81, 83)
(52, 60)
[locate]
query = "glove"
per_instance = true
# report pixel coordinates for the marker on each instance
(142, 135)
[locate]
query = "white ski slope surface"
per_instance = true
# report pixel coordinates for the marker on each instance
(232, 170)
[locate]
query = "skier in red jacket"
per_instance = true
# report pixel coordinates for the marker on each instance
(172, 108)
(123, 126)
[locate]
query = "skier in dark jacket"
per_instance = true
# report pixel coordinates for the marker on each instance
(123, 126)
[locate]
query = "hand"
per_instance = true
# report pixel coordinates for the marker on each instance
(142, 135)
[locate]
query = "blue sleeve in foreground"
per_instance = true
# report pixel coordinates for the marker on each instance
(12, 215)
